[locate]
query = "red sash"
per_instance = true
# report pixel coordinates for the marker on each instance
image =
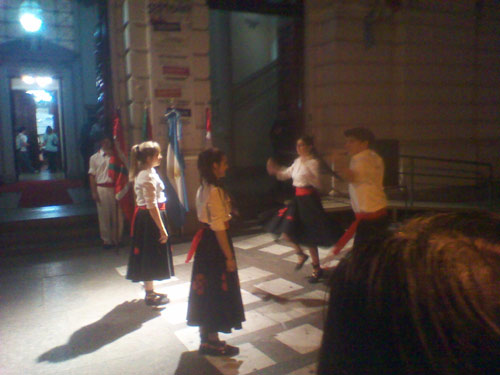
(301, 191)
(161, 207)
(349, 233)
(196, 241)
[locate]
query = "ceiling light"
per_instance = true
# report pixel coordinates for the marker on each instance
(43, 81)
(30, 16)
(28, 79)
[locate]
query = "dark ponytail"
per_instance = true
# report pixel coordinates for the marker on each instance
(206, 160)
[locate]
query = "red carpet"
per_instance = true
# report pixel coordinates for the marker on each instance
(42, 193)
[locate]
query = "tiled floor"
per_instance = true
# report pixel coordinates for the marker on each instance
(74, 313)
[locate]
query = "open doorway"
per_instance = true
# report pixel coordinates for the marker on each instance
(38, 135)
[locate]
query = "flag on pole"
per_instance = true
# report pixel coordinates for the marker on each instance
(118, 171)
(208, 119)
(177, 202)
(147, 130)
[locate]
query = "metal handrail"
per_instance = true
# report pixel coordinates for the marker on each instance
(473, 175)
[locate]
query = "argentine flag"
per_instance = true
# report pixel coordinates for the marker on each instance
(177, 202)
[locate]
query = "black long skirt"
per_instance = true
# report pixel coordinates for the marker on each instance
(149, 259)
(305, 222)
(214, 298)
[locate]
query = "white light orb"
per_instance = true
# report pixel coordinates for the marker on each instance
(30, 22)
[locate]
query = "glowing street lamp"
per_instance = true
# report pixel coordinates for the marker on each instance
(30, 16)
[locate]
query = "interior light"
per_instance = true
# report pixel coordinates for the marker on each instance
(40, 95)
(43, 81)
(30, 16)
(28, 79)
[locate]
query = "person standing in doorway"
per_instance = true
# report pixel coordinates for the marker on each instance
(23, 158)
(365, 175)
(50, 144)
(151, 256)
(214, 303)
(103, 193)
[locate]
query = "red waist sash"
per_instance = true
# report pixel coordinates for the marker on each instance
(161, 206)
(197, 239)
(349, 233)
(301, 191)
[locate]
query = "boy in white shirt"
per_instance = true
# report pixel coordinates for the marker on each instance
(103, 193)
(365, 175)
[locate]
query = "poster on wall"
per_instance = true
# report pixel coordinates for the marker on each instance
(169, 15)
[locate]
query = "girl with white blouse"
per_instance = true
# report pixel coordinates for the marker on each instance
(151, 256)
(303, 221)
(215, 303)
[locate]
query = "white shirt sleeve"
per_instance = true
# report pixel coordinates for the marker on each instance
(218, 210)
(148, 186)
(313, 173)
(285, 173)
(92, 165)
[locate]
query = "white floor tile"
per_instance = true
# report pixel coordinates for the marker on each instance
(296, 307)
(249, 360)
(255, 321)
(248, 297)
(278, 286)
(178, 292)
(308, 370)
(180, 260)
(281, 313)
(166, 281)
(190, 337)
(277, 249)
(251, 273)
(122, 270)
(302, 339)
(246, 243)
(175, 313)
(331, 264)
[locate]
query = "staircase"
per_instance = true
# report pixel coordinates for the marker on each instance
(43, 229)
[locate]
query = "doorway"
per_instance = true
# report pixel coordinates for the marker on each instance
(36, 114)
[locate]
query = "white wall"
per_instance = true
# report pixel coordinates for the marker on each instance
(253, 43)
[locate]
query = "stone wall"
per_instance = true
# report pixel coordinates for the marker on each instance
(160, 60)
(426, 73)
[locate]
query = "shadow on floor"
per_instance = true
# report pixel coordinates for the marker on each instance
(306, 302)
(123, 319)
(192, 363)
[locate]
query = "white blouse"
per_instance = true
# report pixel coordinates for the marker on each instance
(148, 188)
(213, 206)
(303, 172)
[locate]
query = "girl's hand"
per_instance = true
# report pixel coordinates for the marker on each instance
(272, 166)
(231, 265)
(163, 236)
(95, 197)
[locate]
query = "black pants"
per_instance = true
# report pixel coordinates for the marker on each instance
(371, 229)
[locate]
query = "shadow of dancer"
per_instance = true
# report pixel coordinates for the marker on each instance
(192, 363)
(123, 319)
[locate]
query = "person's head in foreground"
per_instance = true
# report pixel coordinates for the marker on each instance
(426, 300)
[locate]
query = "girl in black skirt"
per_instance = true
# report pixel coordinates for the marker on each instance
(214, 303)
(303, 221)
(151, 257)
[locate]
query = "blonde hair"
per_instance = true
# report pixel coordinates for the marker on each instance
(139, 155)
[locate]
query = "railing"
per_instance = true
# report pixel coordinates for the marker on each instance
(255, 86)
(435, 173)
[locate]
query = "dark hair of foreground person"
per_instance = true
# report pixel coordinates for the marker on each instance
(426, 300)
